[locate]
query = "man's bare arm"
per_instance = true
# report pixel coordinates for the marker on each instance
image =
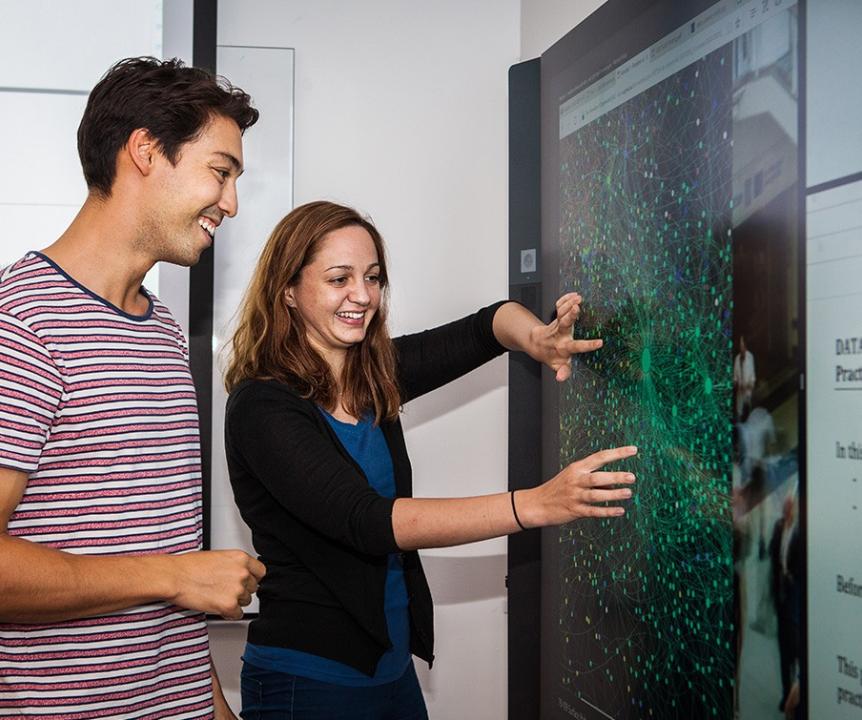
(41, 584)
(221, 710)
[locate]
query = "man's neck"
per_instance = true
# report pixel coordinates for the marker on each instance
(97, 250)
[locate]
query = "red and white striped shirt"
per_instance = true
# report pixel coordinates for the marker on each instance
(98, 408)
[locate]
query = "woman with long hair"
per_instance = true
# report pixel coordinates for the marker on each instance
(321, 475)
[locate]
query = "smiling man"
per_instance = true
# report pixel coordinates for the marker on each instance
(103, 586)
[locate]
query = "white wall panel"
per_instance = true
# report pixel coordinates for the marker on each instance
(69, 45)
(543, 22)
(41, 164)
(265, 195)
(31, 227)
(51, 54)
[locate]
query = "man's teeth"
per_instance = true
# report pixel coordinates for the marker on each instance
(351, 315)
(208, 226)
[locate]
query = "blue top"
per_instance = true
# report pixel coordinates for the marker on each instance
(368, 448)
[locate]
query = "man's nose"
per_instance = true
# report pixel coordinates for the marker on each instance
(229, 204)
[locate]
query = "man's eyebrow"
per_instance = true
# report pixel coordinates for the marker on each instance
(236, 164)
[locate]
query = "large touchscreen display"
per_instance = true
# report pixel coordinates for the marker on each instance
(673, 208)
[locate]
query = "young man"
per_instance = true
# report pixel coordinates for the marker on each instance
(103, 587)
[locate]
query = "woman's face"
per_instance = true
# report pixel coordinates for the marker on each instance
(339, 291)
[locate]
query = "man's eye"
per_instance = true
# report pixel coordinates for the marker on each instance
(224, 174)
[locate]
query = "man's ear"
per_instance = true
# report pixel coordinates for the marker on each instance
(141, 150)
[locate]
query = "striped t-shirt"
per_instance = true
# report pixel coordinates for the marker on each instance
(98, 408)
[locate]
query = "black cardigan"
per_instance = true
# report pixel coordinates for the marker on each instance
(321, 530)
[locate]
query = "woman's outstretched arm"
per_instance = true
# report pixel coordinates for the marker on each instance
(516, 328)
(578, 490)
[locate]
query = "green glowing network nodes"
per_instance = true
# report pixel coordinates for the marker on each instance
(645, 236)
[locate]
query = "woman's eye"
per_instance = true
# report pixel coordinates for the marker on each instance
(338, 281)
(373, 279)
(223, 174)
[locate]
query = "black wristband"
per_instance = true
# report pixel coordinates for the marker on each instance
(515, 512)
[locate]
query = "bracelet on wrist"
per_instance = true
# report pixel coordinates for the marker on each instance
(515, 512)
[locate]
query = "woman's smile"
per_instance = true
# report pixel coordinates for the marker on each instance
(353, 318)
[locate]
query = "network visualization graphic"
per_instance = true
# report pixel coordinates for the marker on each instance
(646, 601)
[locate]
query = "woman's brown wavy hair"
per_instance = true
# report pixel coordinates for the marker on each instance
(270, 341)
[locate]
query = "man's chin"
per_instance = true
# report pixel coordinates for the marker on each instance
(188, 259)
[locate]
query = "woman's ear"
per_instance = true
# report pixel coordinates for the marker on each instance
(288, 297)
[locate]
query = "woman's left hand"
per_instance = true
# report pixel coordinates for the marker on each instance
(553, 345)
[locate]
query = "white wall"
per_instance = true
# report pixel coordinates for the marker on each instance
(543, 22)
(46, 73)
(401, 111)
(265, 191)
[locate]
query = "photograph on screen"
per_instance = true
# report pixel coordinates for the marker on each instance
(676, 217)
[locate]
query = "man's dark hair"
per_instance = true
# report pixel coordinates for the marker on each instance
(174, 102)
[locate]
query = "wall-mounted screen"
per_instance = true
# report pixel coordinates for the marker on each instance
(671, 191)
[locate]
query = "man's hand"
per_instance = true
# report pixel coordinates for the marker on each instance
(220, 582)
(553, 345)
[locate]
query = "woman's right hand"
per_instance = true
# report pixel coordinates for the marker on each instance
(578, 490)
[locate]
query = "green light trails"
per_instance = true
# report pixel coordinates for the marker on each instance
(645, 616)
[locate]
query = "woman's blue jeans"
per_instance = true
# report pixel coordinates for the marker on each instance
(271, 695)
